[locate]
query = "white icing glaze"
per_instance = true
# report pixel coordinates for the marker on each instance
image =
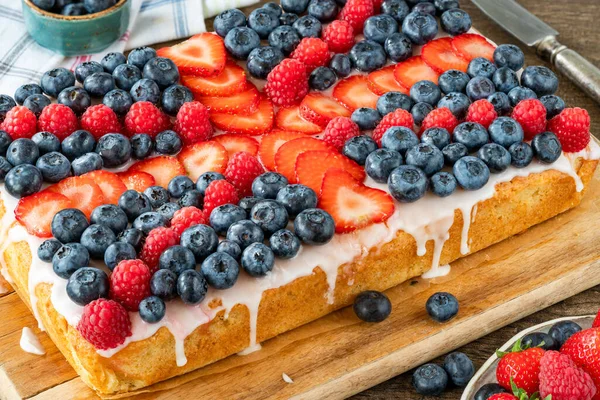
(286, 378)
(437, 271)
(30, 343)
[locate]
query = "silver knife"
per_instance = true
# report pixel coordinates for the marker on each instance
(530, 30)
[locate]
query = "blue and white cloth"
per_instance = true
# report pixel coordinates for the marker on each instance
(22, 60)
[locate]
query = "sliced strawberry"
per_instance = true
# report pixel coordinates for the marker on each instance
(470, 46)
(234, 143)
(289, 119)
(383, 81)
(111, 185)
(136, 180)
(202, 55)
(312, 165)
(352, 204)
(230, 81)
(83, 192)
(203, 157)
(440, 56)
(413, 70)
(285, 158)
(162, 168)
(257, 123)
(270, 144)
(320, 109)
(354, 92)
(35, 212)
(240, 103)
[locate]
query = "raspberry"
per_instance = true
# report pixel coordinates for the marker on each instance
(482, 112)
(339, 36)
(287, 83)
(313, 52)
(186, 217)
(145, 117)
(100, 120)
(104, 323)
(561, 378)
(58, 119)
(242, 169)
(20, 122)
(218, 193)
(399, 117)
(339, 130)
(531, 114)
(193, 123)
(440, 118)
(157, 241)
(130, 283)
(572, 127)
(356, 12)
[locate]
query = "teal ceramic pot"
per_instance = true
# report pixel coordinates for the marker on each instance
(75, 35)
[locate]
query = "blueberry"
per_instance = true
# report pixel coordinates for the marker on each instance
(273, 8)
(161, 70)
(152, 309)
(267, 185)
(426, 157)
(379, 27)
(308, 26)
(321, 78)
(314, 226)
(453, 152)
(471, 173)
(262, 60)
(419, 111)
(231, 248)
(488, 390)
(398, 47)
(521, 154)
(168, 210)
(284, 243)
(407, 183)
(506, 131)
(367, 56)
(263, 22)
(257, 259)
(269, 215)
(56, 80)
(22, 151)
(157, 196)
(458, 103)
(420, 28)
(380, 164)
(98, 84)
(133, 237)
(481, 67)
(438, 137)
(288, 19)
(46, 5)
(87, 284)
(6, 104)
(114, 148)
(425, 7)
(118, 100)
(75, 98)
(206, 179)
(505, 79)
(68, 225)
(358, 148)
(294, 6)
(366, 118)
(191, 198)
(501, 103)
(554, 105)
(240, 41)
(443, 184)
(471, 134)
(111, 61)
(400, 139)
(139, 56)
(69, 258)
(5, 167)
(391, 101)
(96, 239)
(460, 368)
(86, 69)
(24, 91)
(480, 88)
(520, 93)
(46, 142)
(94, 6)
(227, 20)
(202, 240)
(425, 92)
(117, 252)
(163, 284)
(86, 163)
(168, 142)
(145, 90)
(341, 65)
(35, 103)
(563, 330)
(223, 216)
(23, 180)
(323, 10)
(453, 81)
(221, 270)
(125, 76)
(398, 9)
(134, 204)
(442, 306)
(430, 380)
(546, 147)
(297, 198)
(539, 79)
(509, 55)
(110, 216)
(47, 249)
(191, 286)
(177, 259)
(372, 306)
(496, 157)
(141, 146)
(539, 339)
(148, 221)
(444, 5)
(456, 21)
(179, 185)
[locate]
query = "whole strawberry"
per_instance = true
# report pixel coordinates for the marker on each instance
(339, 130)
(241, 171)
(520, 365)
(105, 324)
(563, 380)
(400, 117)
(20, 122)
(572, 127)
(193, 123)
(130, 283)
(145, 117)
(100, 120)
(584, 349)
(287, 83)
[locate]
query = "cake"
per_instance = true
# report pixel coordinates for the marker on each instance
(402, 201)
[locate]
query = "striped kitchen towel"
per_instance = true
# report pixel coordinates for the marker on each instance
(22, 60)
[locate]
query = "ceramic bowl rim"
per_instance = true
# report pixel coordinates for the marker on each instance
(87, 17)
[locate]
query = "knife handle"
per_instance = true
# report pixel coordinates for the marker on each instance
(574, 66)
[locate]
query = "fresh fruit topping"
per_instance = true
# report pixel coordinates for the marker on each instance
(138, 180)
(572, 127)
(482, 112)
(563, 380)
(186, 217)
(100, 120)
(383, 80)
(470, 46)
(270, 144)
(521, 366)
(145, 117)
(413, 70)
(83, 192)
(111, 185)
(287, 83)
(235, 143)
(339, 130)
(157, 241)
(584, 349)
(440, 56)
(202, 55)
(193, 123)
(290, 119)
(20, 122)
(440, 118)
(256, 123)
(285, 158)
(241, 171)
(57, 119)
(203, 157)
(352, 204)
(312, 52)
(356, 12)
(354, 92)
(36, 212)
(130, 283)
(320, 109)
(240, 103)
(400, 117)
(311, 167)
(531, 114)
(339, 36)
(596, 323)
(105, 324)
(162, 168)
(218, 193)
(230, 81)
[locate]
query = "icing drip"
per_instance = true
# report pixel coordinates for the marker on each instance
(30, 343)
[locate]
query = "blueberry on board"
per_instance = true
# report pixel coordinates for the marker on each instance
(86, 69)
(488, 390)
(407, 183)
(400, 139)
(506, 131)
(118, 100)
(505, 79)
(68, 225)
(563, 330)
(96, 239)
(294, 6)
(267, 185)
(5, 167)
(87, 284)
(132, 236)
(372, 306)
(398, 47)
(341, 65)
(164, 284)
(112, 60)
(152, 309)
(149, 220)
(47, 249)
(231, 248)
(177, 259)
(46, 5)
(540, 79)
(257, 259)
(126, 75)
(35, 103)
(380, 164)
(23, 180)
(443, 184)
(86, 163)
(554, 105)
(481, 66)
(69, 258)
(391, 101)
(284, 243)
(459, 367)
(366, 118)
(262, 60)
(520, 93)
(438, 137)
(471, 134)
(269, 215)
(419, 111)
(322, 78)
(168, 142)
(114, 148)
(117, 252)
(308, 26)
(297, 198)
(46, 142)
(442, 306)
(398, 9)
(179, 185)
(357, 148)
(539, 339)
(263, 22)
(191, 286)
(223, 216)
(425, 92)
(471, 173)
(206, 179)
(202, 240)
(314, 226)
(141, 146)
(139, 56)
(168, 210)
(161, 70)
(367, 56)
(453, 81)
(509, 55)
(22, 151)
(501, 103)
(240, 41)
(221, 270)
(458, 103)
(6, 104)
(227, 20)
(24, 91)
(284, 38)
(288, 19)
(480, 88)
(379, 27)
(546, 147)
(430, 380)
(99, 83)
(420, 28)
(56, 80)
(145, 90)
(110, 216)
(456, 21)
(521, 154)
(157, 195)
(134, 204)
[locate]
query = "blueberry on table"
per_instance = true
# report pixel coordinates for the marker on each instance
(262, 60)
(161, 70)
(460, 368)
(87, 284)
(54, 167)
(68, 225)
(139, 56)
(430, 380)
(563, 330)
(458, 104)
(380, 163)
(191, 286)
(372, 306)
(400, 139)
(23, 180)
(240, 41)
(47, 249)
(56, 80)
(69, 258)
(149, 220)
(379, 27)
(164, 284)
(46, 142)
(368, 56)
(442, 307)
(221, 270)
(285, 244)
(152, 309)
(117, 252)
(546, 147)
(308, 26)
(420, 28)
(296, 198)
(223, 216)
(227, 20)
(177, 259)
(257, 259)
(488, 390)
(471, 173)
(521, 154)
(314, 226)
(267, 185)
(24, 91)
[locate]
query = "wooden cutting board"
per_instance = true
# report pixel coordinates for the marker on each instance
(337, 356)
